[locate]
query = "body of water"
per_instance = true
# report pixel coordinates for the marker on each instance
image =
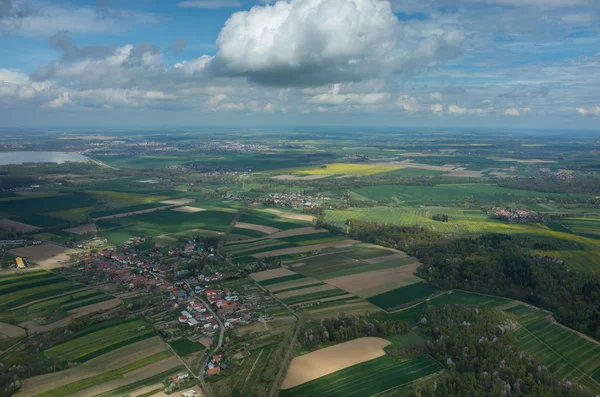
(39, 157)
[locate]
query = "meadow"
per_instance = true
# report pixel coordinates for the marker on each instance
(402, 296)
(339, 169)
(381, 375)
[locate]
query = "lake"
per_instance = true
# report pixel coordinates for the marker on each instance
(39, 157)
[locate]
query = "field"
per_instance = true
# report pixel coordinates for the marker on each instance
(402, 296)
(184, 347)
(48, 256)
(563, 351)
(18, 290)
(457, 297)
(163, 222)
(383, 375)
(325, 361)
(94, 343)
(339, 169)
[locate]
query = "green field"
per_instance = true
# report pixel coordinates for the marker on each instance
(277, 280)
(17, 290)
(563, 351)
(381, 375)
(263, 218)
(313, 296)
(96, 343)
(458, 297)
(163, 222)
(402, 296)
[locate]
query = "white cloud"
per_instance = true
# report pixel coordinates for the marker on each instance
(313, 42)
(210, 4)
(512, 112)
(437, 108)
(60, 101)
(334, 97)
(593, 111)
(408, 103)
(460, 111)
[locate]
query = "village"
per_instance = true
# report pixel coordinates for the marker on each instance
(196, 293)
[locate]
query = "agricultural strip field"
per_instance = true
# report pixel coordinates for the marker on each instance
(18, 290)
(96, 343)
(374, 377)
(257, 217)
(389, 300)
(306, 248)
(563, 351)
(115, 359)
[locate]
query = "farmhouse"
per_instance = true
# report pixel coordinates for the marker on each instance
(213, 371)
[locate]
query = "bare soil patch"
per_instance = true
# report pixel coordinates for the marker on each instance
(83, 229)
(206, 342)
(7, 224)
(48, 256)
(304, 291)
(386, 258)
(11, 331)
(259, 228)
(301, 231)
(181, 201)
(167, 237)
(307, 248)
(331, 359)
(377, 281)
(115, 359)
(273, 273)
(188, 209)
(34, 327)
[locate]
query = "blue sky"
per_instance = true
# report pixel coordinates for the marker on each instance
(431, 63)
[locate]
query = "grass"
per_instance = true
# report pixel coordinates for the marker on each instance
(381, 375)
(91, 345)
(123, 210)
(86, 383)
(314, 296)
(124, 390)
(267, 219)
(564, 352)
(402, 296)
(184, 347)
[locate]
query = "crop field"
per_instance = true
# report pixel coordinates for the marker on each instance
(458, 297)
(314, 296)
(580, 260)
(563, 351)
(163, 222)
(446, 194)
(17, 290)
(54, 308)
(252, 366)
(267, 219)
(112, 375)
(401, 296)
(339, 169)
(583, 226)
(98, 342)
(381, 375)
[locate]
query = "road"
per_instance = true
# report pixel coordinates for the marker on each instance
(219, 344)
(288, 354)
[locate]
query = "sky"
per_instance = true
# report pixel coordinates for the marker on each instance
(422, 63)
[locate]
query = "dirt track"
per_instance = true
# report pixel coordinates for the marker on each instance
(188, 209)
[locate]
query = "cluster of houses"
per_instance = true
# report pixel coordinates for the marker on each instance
(514, 215)
(293, 200)
(215, 365)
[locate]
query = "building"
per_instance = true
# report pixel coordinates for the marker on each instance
(20, 263)
(213, 371)
(189, 393)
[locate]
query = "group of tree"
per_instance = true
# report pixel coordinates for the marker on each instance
(344, 328)
(478, 350)
(440, 217)
(503, 265)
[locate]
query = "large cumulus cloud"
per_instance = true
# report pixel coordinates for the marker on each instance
(313, 42)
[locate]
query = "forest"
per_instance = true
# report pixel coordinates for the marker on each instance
(503, 265)
(477, 347)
